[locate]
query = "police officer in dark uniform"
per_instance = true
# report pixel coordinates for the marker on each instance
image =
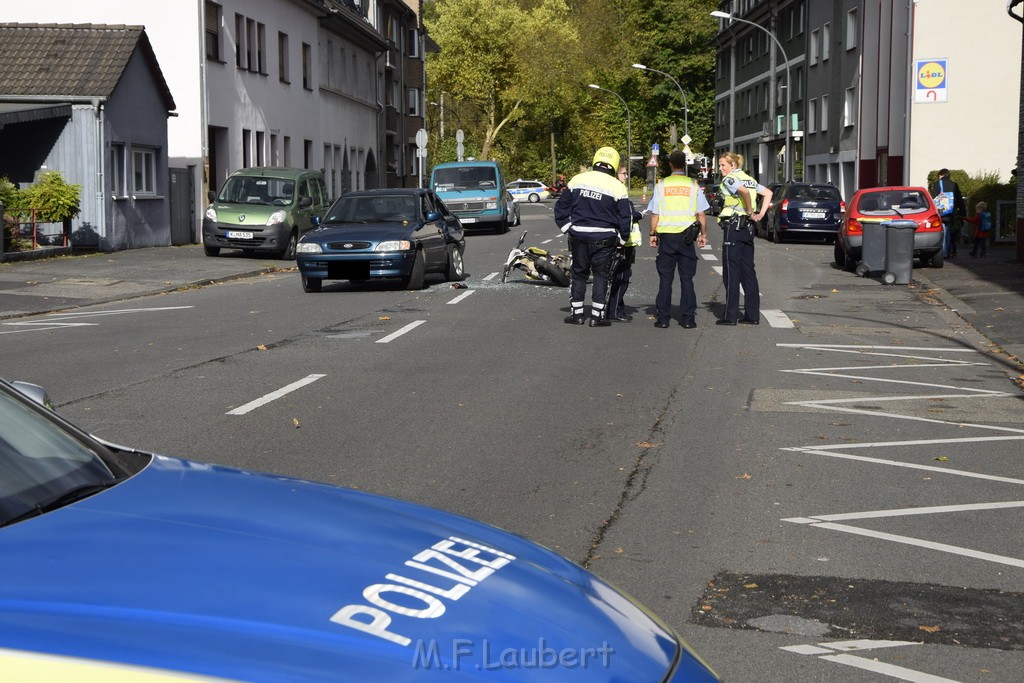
(739, 218)
(596, 214)
(622, 268)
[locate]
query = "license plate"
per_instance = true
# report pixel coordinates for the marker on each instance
(813, 214)
(239, 235)
(468, 220)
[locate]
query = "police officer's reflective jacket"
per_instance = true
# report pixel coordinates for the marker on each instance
(595, 207)
(677, 207)
(732, 205)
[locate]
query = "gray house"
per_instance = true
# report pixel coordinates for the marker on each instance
(90, 102)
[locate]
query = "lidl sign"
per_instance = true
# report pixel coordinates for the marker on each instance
(930, 76)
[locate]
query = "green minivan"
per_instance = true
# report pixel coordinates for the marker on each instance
(264, 209)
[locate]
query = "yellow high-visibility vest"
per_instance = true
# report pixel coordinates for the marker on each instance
(677, 207)
(732, 205)
(634, 236)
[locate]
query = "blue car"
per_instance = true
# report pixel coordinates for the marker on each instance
(122, 559)
(393, 233)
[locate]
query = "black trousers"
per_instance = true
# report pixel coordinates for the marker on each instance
(590, 257)
(738, 269)
(620, 282)
(675, 255)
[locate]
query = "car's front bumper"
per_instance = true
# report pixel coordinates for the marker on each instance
(264, 237)
(362, 266)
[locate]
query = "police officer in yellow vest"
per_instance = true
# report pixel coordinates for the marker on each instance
(739, 217)
(622, 269)
(677, 212)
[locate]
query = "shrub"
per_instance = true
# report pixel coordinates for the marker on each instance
(54, 199)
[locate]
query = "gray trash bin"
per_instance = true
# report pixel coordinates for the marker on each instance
(872, 252)
(899, 252)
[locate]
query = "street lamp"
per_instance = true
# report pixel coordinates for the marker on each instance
(789, 83)
(629, 149)
(686, 106)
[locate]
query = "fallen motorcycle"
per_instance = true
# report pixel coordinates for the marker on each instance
(537, 264)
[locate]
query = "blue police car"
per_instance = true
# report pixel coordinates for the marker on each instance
(118, 561)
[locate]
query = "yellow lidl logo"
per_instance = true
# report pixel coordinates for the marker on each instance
(931, 75)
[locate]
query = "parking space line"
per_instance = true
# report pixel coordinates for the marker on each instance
(274, 395)
(491, 276)
(395, 335)
(891, 670)
(462, 296)
(902, 512)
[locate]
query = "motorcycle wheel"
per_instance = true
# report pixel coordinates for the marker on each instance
(556, 274)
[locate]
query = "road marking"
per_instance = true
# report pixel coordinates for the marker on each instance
(777, 318)
(462, 296)
(711, 257)
(907, 465)
(826, 651)
(274, 395)
(902, 512)
(395, 335)
(56, 321)
(548, 241)
(491, 276)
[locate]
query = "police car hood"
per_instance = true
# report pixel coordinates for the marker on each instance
(229, 573)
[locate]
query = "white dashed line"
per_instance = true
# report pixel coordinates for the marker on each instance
(253, 405)
(491, 276)
(711, 257)
(548, 241)
(395, 335)
(460, 297)
(777, 318)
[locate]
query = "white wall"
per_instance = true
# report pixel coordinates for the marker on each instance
(976, 129)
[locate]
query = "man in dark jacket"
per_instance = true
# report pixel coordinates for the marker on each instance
(950, 221)
(596, 215)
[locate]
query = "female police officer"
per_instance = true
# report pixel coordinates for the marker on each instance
(739, 220)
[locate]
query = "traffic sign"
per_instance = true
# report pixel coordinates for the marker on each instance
(421, 138)
(655, 148)
(460, 136)
(687, 140)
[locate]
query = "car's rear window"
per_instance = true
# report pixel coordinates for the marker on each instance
(822, 193)
(892, 202)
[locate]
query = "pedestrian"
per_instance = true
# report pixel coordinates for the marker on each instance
(596, 215)
(950, 204)
(982, 221)
(622, 268)
(678, 221)
(739, 218)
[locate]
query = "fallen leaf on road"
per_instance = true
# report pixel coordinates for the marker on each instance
(262, 347)
(835, 291)
(930, 629)
(295, 421)
(744, 476)
(646, 444)
(384, 317)
(750, 585)
(941, 458)
(619, 551)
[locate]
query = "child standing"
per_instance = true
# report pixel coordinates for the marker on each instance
(982, 221)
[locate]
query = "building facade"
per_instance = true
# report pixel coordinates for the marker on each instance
(884, 91)
(268, 82)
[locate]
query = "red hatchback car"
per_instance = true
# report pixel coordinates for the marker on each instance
(878, 204)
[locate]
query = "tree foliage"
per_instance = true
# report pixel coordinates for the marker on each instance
(515, 74)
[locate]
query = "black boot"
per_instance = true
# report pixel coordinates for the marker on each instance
(576, 319)
(599, 320)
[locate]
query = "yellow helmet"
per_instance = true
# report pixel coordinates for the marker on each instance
(608, 156)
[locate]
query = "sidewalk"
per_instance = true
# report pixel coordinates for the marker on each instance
(66, 282)
(987, 293)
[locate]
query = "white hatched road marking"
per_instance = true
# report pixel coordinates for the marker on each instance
(60, 320)
(712, 257)
(460, 297)
(777, 318)
(916, 361)
(827, 651)
(395, 335)
(274, 395)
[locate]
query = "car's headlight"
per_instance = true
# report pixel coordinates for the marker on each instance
(492, 205)
(276, 217)
(394, 245)
(211, 213)
(309, 248)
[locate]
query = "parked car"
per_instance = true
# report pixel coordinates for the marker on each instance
(803, 210)
(475, 191)
(713, 193)
(386, 233)
(264, 209)
(121, 564)
(512, 212)
(531, 190)
(879, 204)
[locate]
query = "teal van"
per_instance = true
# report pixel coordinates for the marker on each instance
(264, 209)
(475, 192)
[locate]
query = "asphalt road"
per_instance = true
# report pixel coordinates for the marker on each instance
(832, 495)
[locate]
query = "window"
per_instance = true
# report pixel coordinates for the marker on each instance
(307, 153)
(260, 139)
(307, 55)
(143, 171)
(286, 152)
(261, 49)
(812, 116)
(116, 171)
(282, 58)
(213, 17)
(414, 43)
(250, 44)
(851, 29)
(240, 41)
(275, 159)
(414, 102)
(812, 58)
(824, 113)
(826, 38)
(246, 148)
(850, 107)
